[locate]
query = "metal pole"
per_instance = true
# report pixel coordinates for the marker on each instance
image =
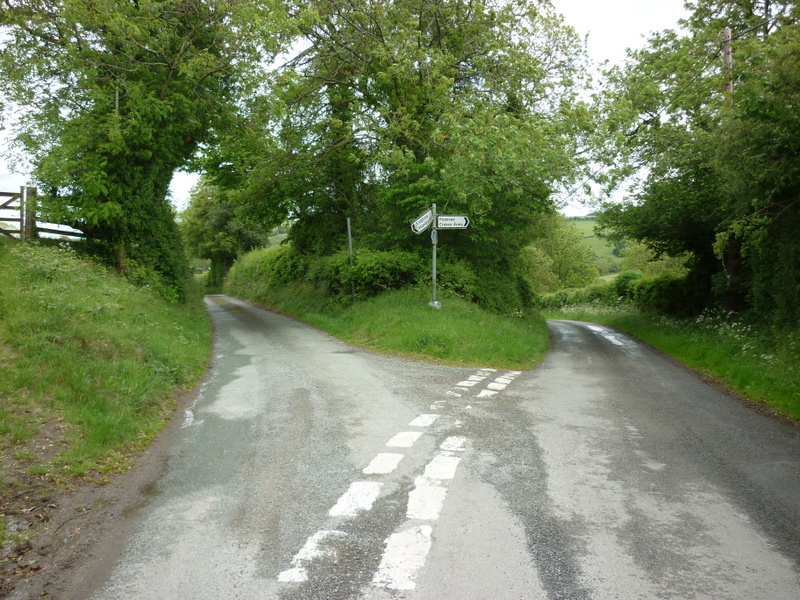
(350, 241)
(727, 57)
(434, 240)
(352, 262)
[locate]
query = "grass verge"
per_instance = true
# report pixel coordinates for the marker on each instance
(90, 366)
(401, 322)
(759, 363)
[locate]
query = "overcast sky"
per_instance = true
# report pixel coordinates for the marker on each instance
(612, 25)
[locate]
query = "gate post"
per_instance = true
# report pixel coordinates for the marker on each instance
(27, 205)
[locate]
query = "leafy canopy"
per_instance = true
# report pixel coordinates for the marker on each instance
(117, 95)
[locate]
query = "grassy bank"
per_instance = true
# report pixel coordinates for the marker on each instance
(759, 363)
(401, 322)
(90, 365)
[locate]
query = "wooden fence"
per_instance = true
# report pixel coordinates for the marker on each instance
(20, 208)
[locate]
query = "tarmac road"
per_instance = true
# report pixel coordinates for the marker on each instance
(311, 469)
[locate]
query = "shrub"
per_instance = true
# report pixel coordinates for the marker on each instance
(375, 272)
(504, 293)
(623, 285)
(264, 268)
(667, 294)
(599, 293)
(328, 273)
(459, 277)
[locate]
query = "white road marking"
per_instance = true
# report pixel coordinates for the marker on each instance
(425, 501)
(384, 463)
(360, 496)
(404, 439)
(424, 421)
(498, 387)
(608, 334)
(405, 554)
(406, 551)
(311, 550)
(442, 467)
(486, 394)
(454, 444)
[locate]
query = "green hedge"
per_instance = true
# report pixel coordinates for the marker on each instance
(259, 273)
(669, 295)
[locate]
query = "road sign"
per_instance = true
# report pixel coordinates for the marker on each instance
(422, 222)
(452, 221)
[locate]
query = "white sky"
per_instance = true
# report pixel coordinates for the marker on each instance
(612, 25)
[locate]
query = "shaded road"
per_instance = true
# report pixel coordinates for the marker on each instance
(308, 468)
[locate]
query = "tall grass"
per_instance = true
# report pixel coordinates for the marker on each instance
(754, 360)
(89, 363)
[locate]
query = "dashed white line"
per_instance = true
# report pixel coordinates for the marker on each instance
(360, 496)
(406, 552)
(608, 334)
(312, 550)
(454, 444)
(425, 420)
(404, 439)
(467, 384)
(426, 500)
(383, 464)
(442, 467)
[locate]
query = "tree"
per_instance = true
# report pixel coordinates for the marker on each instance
(211, 230)
(116, 96)
(720, 163)
(558, 258)
(391, 107)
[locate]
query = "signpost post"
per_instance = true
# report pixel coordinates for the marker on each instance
(425, 220)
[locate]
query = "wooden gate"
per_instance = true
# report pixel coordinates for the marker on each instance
(20, 208)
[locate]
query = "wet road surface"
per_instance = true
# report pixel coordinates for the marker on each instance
(311, 469)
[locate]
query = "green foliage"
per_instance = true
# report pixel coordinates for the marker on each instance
(607, 254)
(638, 257)
(459, 277)
(266, 269)
(472, 106)
(558, 258)
(88, 356)
(266, 272)
(114, 98)
(723, 167)
(623, 285)
(371, 274)
(376, 272)
(599, 294)
(505, 292)
(211, 229)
